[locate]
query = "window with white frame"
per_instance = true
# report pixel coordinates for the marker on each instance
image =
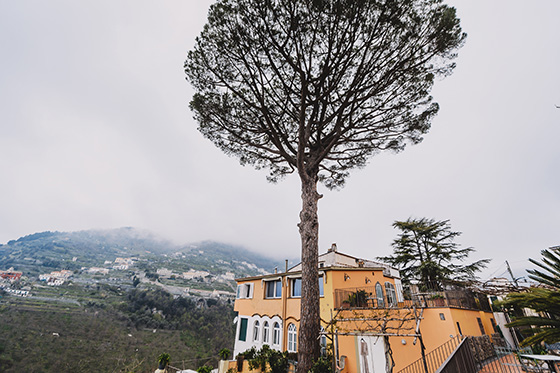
(244, 291)
(391, 294)
(273, 289)
(296, 287)
(256, 331)
(276, 334)
(379, 295)
(266, 333)
(323, 341)
(292, 338)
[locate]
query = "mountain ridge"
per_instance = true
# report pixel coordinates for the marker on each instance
(71, 250)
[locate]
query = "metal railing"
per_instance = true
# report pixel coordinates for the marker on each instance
(511, 360)
(434, 359)
(476, 355)
(409, 296)
(461, 360)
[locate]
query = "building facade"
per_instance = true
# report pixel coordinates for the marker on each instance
(369, 320)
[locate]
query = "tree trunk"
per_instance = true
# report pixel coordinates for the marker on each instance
(309, 349)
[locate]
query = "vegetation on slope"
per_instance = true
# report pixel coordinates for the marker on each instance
(124, 336)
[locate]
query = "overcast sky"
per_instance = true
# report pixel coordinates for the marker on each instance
(95, 132)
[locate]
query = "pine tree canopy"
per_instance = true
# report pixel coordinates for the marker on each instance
(320, 85)
(425, 250)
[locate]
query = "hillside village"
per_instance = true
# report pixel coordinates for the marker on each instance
(53, 259)
(124, 272)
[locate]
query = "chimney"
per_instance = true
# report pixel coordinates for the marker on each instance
(333, 248)
(286, 265)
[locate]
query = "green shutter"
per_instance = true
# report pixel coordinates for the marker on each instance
(243, 330)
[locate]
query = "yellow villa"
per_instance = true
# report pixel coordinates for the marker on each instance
(372, 324)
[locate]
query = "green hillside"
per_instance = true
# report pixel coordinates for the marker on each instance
(123, 334)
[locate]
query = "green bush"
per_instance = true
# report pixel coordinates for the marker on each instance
(358, 298)
(322, 365)
(266, 358)
(204, 369)
(164, 359)
(224, 353)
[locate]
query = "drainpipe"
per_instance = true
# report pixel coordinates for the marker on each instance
(339, 361)
(284, 310)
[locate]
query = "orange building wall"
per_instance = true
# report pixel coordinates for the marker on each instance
(406, 354)
(486, 317)
(356, 277)
(435, 331)
(346, 347)
(259, 304)
(469, 324)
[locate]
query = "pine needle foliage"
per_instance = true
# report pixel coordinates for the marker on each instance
(425, 251)
(319, 84)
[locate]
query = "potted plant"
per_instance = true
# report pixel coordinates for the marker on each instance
(439, 300)
(240, 358)
(224, 353)
(358, 298)
(163, 360)
(224, 356)
(204, 369)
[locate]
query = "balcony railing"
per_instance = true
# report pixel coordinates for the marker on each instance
(409, 296)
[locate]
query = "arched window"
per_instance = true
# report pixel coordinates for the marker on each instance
(391, 294)
(266, 332)
(323, 342)
(292, 338)
(256, 331)
(379, 295)
(276, 334)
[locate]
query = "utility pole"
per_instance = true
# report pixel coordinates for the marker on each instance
(511, 274)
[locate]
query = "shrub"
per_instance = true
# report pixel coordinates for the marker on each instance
(266, 358)
(164, 359)
(358, 298)
(204, 369)
(224, 353)
(322, 365)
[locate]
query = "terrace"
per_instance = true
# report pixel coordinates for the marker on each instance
(417, 295)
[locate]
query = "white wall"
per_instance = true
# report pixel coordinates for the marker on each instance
(242, 346)
(370, 354)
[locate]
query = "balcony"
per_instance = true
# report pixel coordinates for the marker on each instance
(409, 296)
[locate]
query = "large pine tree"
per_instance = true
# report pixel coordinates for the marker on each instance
(315, 87)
